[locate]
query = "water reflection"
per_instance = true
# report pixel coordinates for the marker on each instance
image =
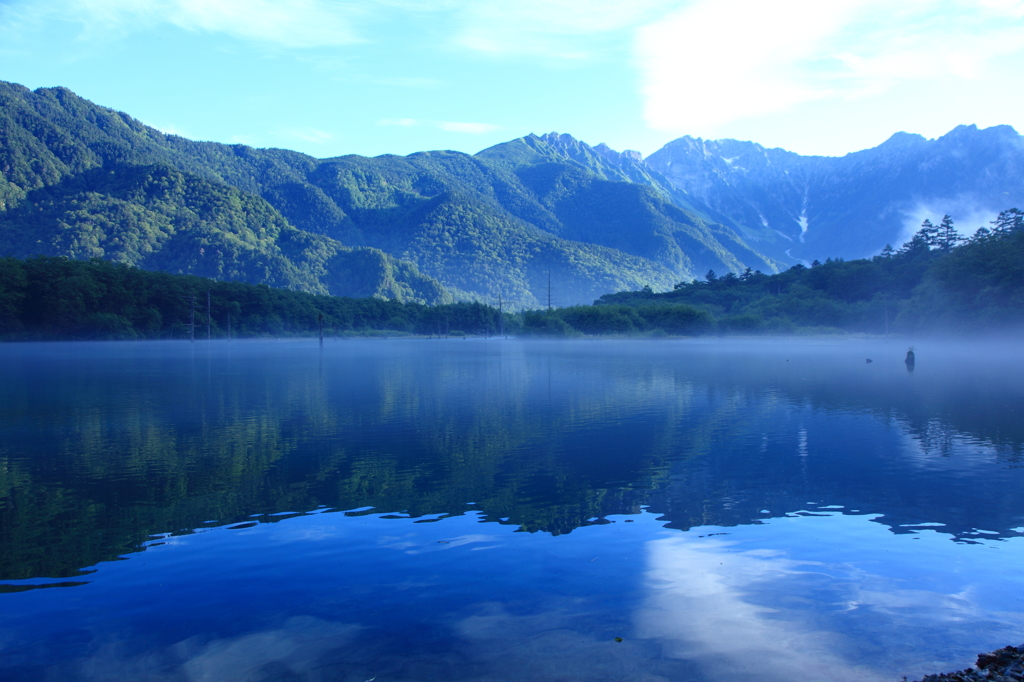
(829, 598)
(107, 445)
(328, 596)
(699, 608)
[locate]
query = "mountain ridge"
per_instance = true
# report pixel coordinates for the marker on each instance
(471, 223)
(848, 206)
(434, 225)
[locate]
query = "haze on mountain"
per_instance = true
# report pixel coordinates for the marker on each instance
(805, 208)
(85, 181)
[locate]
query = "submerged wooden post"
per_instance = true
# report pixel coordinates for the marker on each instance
(320, 319)
(209, 335)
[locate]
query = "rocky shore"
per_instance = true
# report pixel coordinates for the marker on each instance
(1002, 665)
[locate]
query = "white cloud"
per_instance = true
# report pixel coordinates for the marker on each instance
(558, 28)
(698, 609)
(296, 647)
(295, 23)
(764, 614)
(299, 647)
(410, 544)
(552, 28)
(718, 61)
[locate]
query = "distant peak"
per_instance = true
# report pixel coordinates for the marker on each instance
(688, 141)
(902, 139)
(965, 131)
(559, 138)
(609, 153)
(1003, 130)
(961, 131)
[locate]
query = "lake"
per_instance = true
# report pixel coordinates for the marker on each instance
(496, 509)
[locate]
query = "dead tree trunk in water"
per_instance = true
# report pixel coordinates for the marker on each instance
(209, 319)
(320, 319)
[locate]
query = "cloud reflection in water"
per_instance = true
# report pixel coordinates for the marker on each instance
(817, 609)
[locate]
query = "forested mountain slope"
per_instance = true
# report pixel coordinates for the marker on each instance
(938, 282)
(83, 181)
(612, 199)
(489, 225)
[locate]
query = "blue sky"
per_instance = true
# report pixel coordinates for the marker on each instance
(332, 77)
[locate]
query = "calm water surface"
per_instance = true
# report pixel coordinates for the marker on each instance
(502, 510)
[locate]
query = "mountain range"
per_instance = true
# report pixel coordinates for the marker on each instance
(850, 206)
(82, 180)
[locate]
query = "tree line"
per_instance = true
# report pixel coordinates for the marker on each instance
(938, 280)
(44, 298)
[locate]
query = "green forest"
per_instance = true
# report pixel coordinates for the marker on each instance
(83, 181)
(48, 298)
(937, 281)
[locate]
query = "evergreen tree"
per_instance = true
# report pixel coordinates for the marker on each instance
(1010, 220)
(929, 233)
(946, 235)
(923, 240)
(981, 234)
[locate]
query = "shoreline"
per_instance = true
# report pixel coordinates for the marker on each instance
(1001, 665)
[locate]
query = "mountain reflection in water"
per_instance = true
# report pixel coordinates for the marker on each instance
(117, 448)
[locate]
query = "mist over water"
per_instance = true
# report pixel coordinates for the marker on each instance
(489, 510)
